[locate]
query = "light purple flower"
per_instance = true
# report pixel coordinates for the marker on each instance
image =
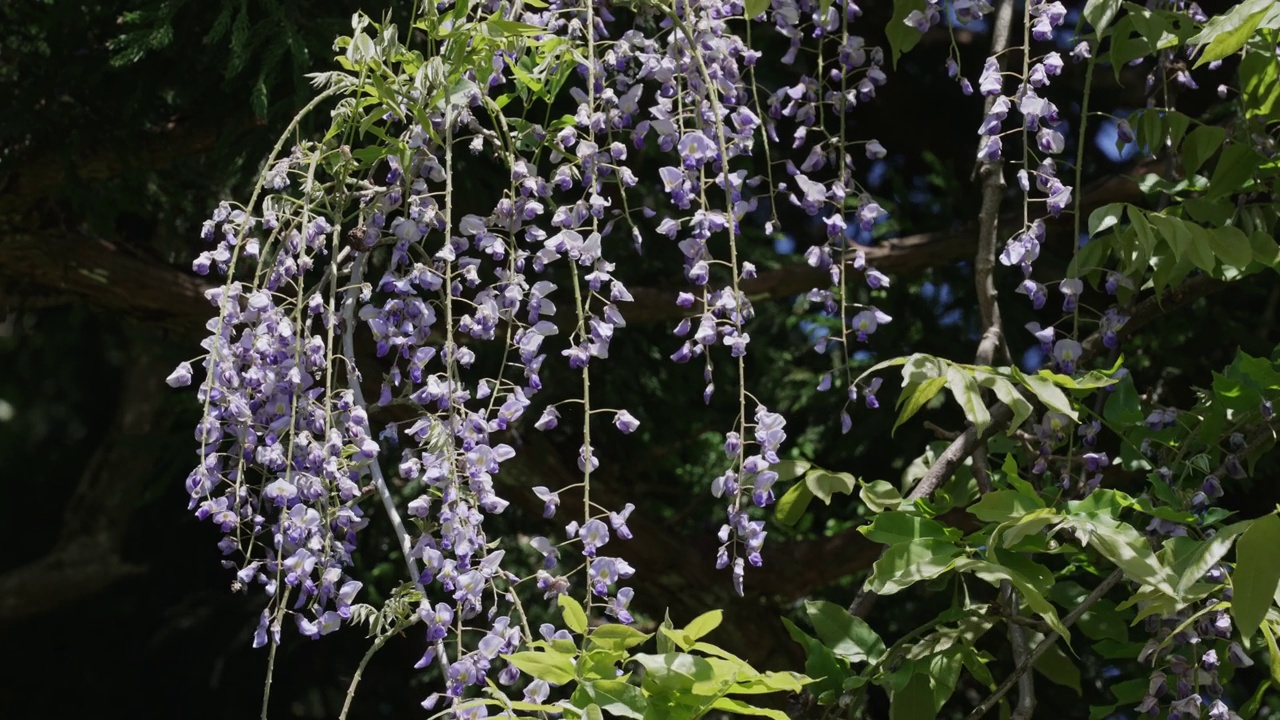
(625, 422)
(180, 377)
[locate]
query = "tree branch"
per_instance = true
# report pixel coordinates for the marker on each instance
(102, 271)
(353, 381)
(967, 442)
(86, 557)
(989, 214)
(1030, 660)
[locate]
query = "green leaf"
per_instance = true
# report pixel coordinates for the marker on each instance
(554, 667)
(739, 707)
(1269, 634)
(1048, 393)
(964, 388)
(1192, 566)
(919, 396)
(1030, 524)
(1100, 13)
(664, 643)
(944, 671)
(1007, 394)
(616, 697)
(1200, 248)
(903, 37)
(1174, 232)
(1200, 145)
(824, 484)
(793, 503)
(904, 564)
(703, 624)
(880, 495)
(1225, 34)
(1004, 505)
(1091, 380)
(790, 469)
(1103, 622)
(920, 367)
(575, 618)
(753, 8)
(617, 637)
(1029, 591)
(1010, 469)
(1142, 228)
(768, 682)
(1265, 249)
(1256, 575)
(1127, 548)
(893, 527)
(820, 663)
(913, 702)
(1260, 84)
(1105, 218)
(674, 672)
(1057, 667)
(848, 636)
(511, 27)
(1231, 246)
(1250, 709)
(1233, 170)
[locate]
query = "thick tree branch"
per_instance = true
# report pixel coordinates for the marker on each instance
(104, 274)
(37, 262)
(86, 557)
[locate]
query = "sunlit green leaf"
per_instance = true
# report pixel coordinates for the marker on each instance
(1256, 575)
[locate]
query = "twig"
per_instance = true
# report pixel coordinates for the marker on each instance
(1027, 663)
(353, 379)
(271, 669)
(355, 679)
(950, 459)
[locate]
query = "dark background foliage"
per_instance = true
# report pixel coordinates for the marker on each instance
(126, 122)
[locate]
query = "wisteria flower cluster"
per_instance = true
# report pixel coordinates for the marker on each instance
(303, 433)
(380, 336)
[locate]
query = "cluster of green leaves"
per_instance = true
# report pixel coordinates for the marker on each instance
(267, 38)
(1029, 541)
(686, 678)
(393, 82)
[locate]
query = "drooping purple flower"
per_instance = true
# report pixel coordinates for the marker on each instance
(1066, 352)
(594, 534)
(617, 606)
(990, 148)
(1034, 290)
(1059, 197)
(1045, 336)
(551, 499)
(1237, 657)
(1070, 289)
(696, 149)
(625, 422)
(618, 520)
(864, 323)
(180, 377)
(990, 83)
